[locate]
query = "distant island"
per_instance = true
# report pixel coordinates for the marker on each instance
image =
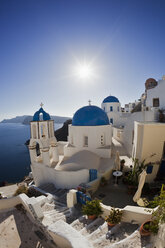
(25, 119)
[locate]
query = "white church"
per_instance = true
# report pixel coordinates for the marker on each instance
(94, 137)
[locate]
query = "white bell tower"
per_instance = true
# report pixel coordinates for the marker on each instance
(43, 144)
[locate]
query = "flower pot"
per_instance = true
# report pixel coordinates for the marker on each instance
(144, 232)
(92, 217)
(111, 224)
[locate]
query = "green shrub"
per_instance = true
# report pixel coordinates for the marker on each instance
(114, 216)
(21, 189)
(158, 216)
(92, 208)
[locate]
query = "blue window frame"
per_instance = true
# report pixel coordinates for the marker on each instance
(111, 120)
(111, 108)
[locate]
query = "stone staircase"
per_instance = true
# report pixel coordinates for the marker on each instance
(99, 234)
(96, 232)
(56, 209)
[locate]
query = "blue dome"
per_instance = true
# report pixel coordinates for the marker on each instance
(90, 116)
(110, 99)
(36, 116)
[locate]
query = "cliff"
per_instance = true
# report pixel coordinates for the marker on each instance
(26, 119)
(62, 133)
(17, 119)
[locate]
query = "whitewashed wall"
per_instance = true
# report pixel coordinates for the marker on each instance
(118, 134)
(149, 139)
(61, 179)
(94, 133)
(157, 92)
(60, 146)
(106, 106)
(129, 127)
(115, 114)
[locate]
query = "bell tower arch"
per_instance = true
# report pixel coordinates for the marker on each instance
(43, 139)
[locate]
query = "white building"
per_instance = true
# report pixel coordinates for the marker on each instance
(149, 145)
(43, 144)
(112, 108)
(67, 164)
(90, 130)
(155, 91)
(130, 106)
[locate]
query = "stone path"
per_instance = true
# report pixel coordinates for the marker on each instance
(96, 232)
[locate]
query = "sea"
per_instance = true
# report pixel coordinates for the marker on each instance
(14, 154)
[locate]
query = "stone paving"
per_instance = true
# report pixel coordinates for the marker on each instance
(114, 195)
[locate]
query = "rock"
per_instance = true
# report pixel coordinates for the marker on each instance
(62, 133)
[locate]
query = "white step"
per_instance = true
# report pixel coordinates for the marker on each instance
(78, 224)
(99, 231)
(91, 227)
(74, 238)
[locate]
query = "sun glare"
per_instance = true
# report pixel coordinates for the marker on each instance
(84, 71)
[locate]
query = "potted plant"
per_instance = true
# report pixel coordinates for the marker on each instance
(92, 209)
(114, 217)
(103, 181)
(149, 227)
(158, 216)
(131, 179)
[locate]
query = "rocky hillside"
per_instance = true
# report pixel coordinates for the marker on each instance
(62, 133)
(17, 119)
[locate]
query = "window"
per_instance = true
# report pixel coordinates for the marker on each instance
(43, 130)
(86, 141)
(41, 117)
(34, 136)
(111, 108)
(104, 108)
(111, 120)
(155, 102)
(102, 140)
(118, 109)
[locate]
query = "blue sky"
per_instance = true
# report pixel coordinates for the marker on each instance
(41, 40)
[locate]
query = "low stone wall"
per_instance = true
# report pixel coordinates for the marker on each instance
(159, 239)
(131, 214)
(30, 204)
(9, 203)
(94, 185)
(70, 238)
(107, 174)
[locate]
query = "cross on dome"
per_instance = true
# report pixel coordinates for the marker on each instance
(89, 102)
(41, 104)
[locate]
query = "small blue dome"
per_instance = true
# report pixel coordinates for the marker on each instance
(90, 116)
(36, 116)
(110, 99)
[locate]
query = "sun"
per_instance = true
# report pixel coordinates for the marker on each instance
(84, 71)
